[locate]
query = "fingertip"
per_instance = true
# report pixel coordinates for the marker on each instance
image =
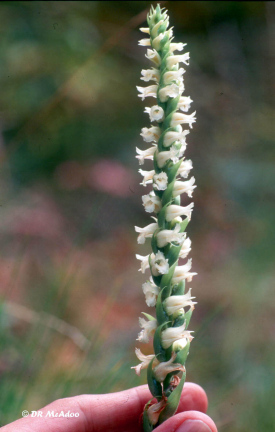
(188, 421)
(193, 398)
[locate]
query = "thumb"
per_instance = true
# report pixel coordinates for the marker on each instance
(188, 421)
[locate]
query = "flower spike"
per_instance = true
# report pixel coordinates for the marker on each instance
(165, 289)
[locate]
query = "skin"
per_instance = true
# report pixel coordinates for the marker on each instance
(115, 412)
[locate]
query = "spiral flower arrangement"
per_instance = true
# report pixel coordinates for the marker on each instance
(165, 290)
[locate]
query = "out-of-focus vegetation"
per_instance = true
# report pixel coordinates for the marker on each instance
(70, 196)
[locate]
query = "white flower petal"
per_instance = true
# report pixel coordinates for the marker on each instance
(173, 303)
(172, 136)
(180, 118)
(173, 211)
(176, 46)
(148, 329)
(183, 272)
(163, 368)
(170, 76)
(151, 292)
(156, 113)
(184, 187)
(154, 411)
(153, 56)
(145, 154)
(175, 59)
(185, 168)
(147, 176)
(160, 181)
(172, 334)
(171, 90)
(185, 249)
(150, 74)
(145, 360)
(170, 236)
(159, 264)
(146, 232)
(145, 42)
(147, 91)
(151, 203)
(184, 103)
(144, 262)
(150, 134)
(145, 30)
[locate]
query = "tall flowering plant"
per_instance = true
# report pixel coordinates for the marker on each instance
(165, 290)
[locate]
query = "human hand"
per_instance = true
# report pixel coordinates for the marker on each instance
(118, 412)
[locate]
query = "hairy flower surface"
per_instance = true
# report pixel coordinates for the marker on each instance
(165, 289)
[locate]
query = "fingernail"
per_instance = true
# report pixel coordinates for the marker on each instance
(193, 426)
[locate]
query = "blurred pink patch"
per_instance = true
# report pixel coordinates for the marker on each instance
(111, 177)
(38, 217)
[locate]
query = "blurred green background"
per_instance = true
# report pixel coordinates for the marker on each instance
(70, 197)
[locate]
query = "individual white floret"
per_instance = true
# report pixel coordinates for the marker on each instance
(144, 262)
(159, 264)
(173, 211)
(153, 56)
(173, 334)
(169, 91)
(150, 75)
(151, 292)
(185, 248)
(175, 59)
(155, 112)
(145, 360)
(154, 411)
(145, 30)
(150, 134)
(160, 181)
(148, 329)
(151, 203)
(180, 118)
(185, 168)
(170, 236)
(145, 154)
(170, 76)
(146, 232)
(173, 154)
(184, 187)
(174, 303)
(145, 42)
(171, 136)
(180, 147)
(148, 91)
(183, 272)
(176, 46)
(184, 103)
(147, 176)
(163, 368)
